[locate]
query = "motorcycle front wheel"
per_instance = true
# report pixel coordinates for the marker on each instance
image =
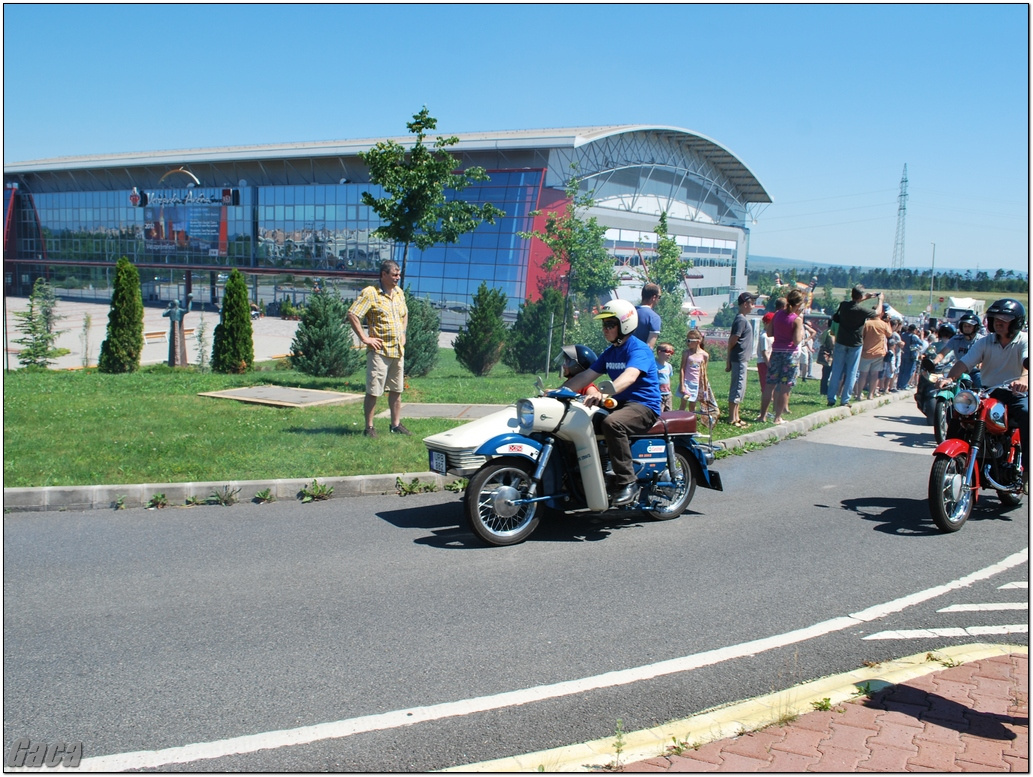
(941, 417)
(950, 504)
(490, 511)
(671, 501)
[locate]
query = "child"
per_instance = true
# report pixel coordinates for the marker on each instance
(578, 358)
(693, 360)
(664, 370)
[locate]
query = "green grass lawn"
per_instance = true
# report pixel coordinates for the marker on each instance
(85, 428)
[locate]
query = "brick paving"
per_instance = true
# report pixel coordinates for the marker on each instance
(968, 718)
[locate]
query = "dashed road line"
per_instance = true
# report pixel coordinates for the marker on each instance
(988, 607)
(971, 631)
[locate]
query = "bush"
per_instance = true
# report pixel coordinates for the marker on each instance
(528, 339)
(479, 345)
(233, 350)
(323, 342)
(673, 323)
(421, 336)
(120, 352)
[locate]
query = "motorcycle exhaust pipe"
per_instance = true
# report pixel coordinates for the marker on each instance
(994, 484)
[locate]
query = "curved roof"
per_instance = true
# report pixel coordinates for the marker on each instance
(690, 143)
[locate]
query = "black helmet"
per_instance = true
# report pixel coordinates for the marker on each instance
(969, 318)
(581, 355)
(1007, 307)
(946, 331)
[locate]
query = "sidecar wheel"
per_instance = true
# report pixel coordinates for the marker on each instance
(489, 512)
(673, 500)
(950, 505)
(940, 420)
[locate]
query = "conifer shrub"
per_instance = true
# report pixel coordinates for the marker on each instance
(233, 347)
(421, 336)
(479, 344)
(37, 325)
(323, 342)
(122, 347)
(528, 340)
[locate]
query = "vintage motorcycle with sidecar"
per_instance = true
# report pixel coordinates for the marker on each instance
(543, 455)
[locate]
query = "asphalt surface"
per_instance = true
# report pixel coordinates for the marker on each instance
(303, 668)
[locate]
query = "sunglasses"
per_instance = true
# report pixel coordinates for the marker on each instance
(669, 353)
(611, 323)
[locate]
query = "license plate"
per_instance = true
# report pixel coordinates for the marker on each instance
(437, 462)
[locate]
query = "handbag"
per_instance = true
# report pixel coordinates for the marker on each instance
(706, 405)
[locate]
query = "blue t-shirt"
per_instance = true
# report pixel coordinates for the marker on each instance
(648, 322)
(632, 353)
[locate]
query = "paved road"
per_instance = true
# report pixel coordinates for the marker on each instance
(378, 630)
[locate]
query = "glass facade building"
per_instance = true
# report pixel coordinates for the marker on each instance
(287, 215)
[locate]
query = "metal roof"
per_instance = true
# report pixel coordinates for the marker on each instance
(566, 137)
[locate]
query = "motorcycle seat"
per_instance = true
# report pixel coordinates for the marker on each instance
(673, 422)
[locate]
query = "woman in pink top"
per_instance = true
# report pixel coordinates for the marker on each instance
(789, 331)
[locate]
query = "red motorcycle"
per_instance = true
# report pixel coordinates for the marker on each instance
(980, 451)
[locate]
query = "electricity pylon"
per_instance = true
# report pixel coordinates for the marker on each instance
(898, 243)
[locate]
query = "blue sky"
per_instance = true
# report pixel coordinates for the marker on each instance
(825, 104)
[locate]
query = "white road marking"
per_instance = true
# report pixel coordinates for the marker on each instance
(1006, 586)
(152, 759)
(972, 631)
(989, 607)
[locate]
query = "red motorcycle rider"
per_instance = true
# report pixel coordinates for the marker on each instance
(1004, 356)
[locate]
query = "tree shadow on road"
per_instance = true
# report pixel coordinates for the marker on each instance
(910, 517)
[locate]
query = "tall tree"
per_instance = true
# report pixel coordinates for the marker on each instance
(121, 350)
(233, 347)
(668, 269)
(417, 209)
(578, 243)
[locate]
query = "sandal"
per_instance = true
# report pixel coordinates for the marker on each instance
(741, 424)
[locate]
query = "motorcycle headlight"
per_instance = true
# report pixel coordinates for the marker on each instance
(965, 403)
(525, 414)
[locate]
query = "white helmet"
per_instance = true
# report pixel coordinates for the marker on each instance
(623, 311)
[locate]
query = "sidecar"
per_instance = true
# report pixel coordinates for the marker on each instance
(452, 452)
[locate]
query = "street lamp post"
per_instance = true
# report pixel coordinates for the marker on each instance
(932, 279)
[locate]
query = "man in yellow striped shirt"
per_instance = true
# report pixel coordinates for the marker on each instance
(382, 309)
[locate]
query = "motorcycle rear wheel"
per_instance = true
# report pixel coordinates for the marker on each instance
(950, 505)
(674, 500)
(941, 417)
(487, 507)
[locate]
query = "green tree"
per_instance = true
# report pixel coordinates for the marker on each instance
(417, 209)
(37, 324)
(233, 347)
(578, 244)
(479, 345)
(421, 336)
(323, 342)
(528, 339)
(122, 347)
(668, 269)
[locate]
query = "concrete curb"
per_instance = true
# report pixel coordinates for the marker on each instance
(106, 497)
(730, 721)
(56, 498)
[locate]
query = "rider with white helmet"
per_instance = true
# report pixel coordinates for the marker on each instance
(630, 364)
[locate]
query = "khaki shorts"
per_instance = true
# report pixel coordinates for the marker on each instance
(384, 373)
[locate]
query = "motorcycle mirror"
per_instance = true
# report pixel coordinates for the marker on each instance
(607, 387)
